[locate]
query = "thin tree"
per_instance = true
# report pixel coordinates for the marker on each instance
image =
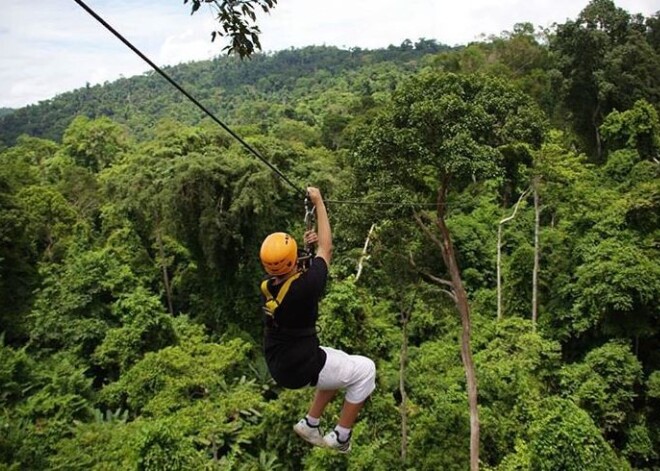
(499, 253)
(364, 256)
(459, 295)
(162, 260)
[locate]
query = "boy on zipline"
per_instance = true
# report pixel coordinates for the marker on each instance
(291, 345)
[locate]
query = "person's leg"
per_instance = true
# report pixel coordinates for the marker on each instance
(322, 398)
(308, 428)
(360, 384)
(349, 414)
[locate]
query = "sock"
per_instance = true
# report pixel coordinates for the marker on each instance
(312, 421)
(343, 433)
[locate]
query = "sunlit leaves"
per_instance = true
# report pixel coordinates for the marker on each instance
(617, 280)
(637, 128)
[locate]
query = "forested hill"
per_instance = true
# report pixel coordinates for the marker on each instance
(495, 225)
(231, 88)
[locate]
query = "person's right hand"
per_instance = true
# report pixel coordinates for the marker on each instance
(314, 195)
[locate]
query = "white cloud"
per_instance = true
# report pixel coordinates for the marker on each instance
(190, 44)
(51, 46)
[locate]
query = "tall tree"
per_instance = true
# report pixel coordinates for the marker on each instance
(441, 132)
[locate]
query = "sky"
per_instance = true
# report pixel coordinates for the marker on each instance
(48, 47)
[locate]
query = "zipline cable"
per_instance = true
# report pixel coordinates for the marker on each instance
(381, 203)
(189, 96)
(223, 125)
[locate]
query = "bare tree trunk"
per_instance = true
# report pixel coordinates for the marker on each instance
(459, 295)
(364, 253)
(466, 352)
(535, 273)
(166, 277)
(499, 254)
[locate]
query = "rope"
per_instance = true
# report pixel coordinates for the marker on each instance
(189, 96)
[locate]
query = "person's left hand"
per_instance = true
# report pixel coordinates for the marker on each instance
(311, 238)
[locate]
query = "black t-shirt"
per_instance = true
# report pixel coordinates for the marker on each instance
(295, 360)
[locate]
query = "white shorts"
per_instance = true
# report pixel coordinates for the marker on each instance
(355, 373)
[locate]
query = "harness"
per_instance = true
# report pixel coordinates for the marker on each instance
(272, 303)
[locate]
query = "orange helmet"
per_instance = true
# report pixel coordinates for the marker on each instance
(279, 253)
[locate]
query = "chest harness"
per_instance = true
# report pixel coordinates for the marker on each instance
(272, 302)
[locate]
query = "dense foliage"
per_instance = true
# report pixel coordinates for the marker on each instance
(129, 232)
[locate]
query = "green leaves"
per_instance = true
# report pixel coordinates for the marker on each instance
(606, 65)
(616, 280)
(449, 126)
(127, 270)
(176, 377)
(563, 436)
(144, 327)
(235, 18)
(637, 128)
(604, 385)
(94, 144)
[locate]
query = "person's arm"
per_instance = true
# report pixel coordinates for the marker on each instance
(324, 247)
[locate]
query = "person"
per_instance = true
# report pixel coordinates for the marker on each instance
(293, 354)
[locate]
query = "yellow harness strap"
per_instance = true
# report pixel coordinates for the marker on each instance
(271, 304)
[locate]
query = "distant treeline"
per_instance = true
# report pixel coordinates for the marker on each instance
(222, 84)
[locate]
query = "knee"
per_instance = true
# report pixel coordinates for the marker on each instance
(370, 369)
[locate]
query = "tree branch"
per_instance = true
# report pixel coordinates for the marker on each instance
(499, 254)
(515, 208)
(426, 230)
(364, 255)
(434, 279)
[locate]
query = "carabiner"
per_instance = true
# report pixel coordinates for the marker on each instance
(305, 258)
(309, 214)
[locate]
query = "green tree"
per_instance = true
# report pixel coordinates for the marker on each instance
(516, 367)
(194, 395)
(441, 131)
(20, 176)
(562, 436)
(604, 385)
(637, 128)
(606, 64)
(94, 144)
(41, 400)
(49, 220)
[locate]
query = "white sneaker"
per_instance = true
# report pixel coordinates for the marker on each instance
(308, 433)
(332, 441)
